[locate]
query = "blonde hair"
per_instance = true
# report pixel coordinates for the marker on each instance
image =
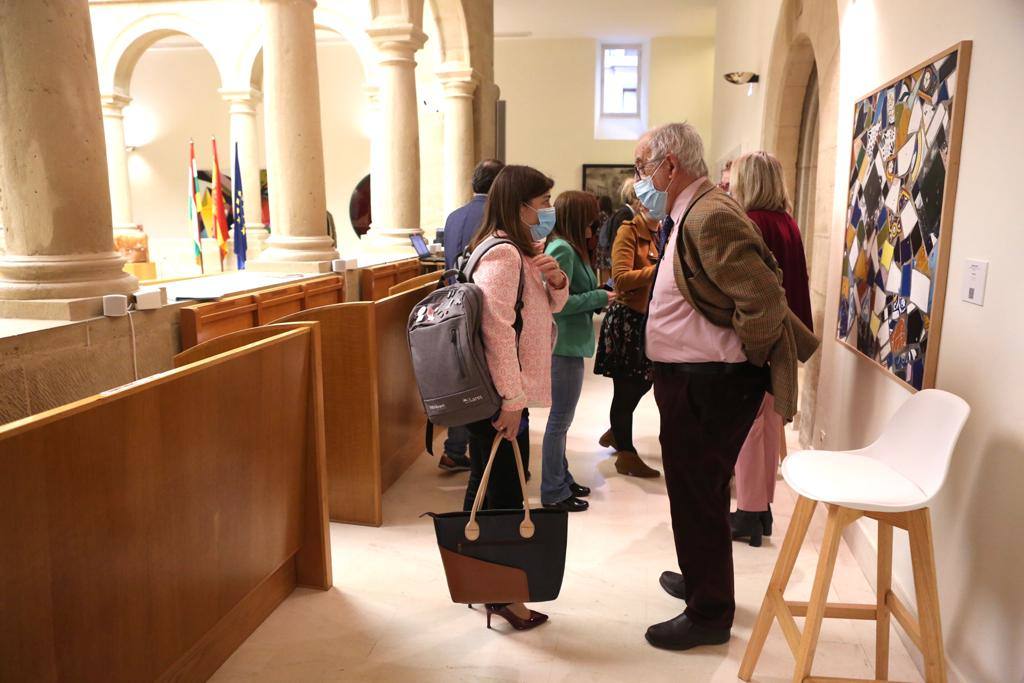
(756, 183)
(627, 195)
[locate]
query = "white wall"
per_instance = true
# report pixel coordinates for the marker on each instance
(977, 519)
(743, 43)
(549, 87)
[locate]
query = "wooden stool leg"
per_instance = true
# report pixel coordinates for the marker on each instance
(802, 514)
(882, 629)
(837, 517)
(922, 554)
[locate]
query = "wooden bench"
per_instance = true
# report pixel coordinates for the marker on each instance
(200, 322)
(148, 530)
(376, 282)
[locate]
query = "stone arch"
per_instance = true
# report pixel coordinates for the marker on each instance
(452, 32)
(134, 39)
(806, 44)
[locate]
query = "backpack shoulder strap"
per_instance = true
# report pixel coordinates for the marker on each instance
(474, 260)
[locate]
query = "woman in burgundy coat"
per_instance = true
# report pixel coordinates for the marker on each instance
(757, 185)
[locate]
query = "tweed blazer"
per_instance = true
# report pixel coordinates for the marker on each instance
(725, 270)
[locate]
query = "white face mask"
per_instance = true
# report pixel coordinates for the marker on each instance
(653, 199)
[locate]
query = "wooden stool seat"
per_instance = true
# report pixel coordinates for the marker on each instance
(891, 481)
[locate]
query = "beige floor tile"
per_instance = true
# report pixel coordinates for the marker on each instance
(389, 617)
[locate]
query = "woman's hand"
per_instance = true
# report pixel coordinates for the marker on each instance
(507, 423)
(611, 296)
(550, 269)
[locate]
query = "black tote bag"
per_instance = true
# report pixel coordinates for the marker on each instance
(502, 555)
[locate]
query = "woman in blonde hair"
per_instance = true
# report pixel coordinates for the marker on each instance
(757, 185)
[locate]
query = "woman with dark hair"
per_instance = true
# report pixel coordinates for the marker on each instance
(620, 353)
(576, 216)
(518, 209)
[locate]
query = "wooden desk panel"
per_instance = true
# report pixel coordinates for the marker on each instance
(202, 322)
(147, 532)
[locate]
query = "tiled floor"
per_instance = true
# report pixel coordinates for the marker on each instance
(389, 617)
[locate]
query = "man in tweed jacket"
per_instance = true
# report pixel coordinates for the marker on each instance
(720, 334)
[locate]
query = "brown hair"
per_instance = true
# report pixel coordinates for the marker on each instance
(513, 187)
(757, 184)
(575, 211)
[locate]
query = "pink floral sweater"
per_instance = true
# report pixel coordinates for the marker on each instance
(497, 275)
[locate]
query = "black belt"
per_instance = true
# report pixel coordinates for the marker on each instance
(745, 368)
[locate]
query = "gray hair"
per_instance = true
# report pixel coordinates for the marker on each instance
(682, 140)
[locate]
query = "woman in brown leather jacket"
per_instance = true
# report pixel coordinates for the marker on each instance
(620, 351)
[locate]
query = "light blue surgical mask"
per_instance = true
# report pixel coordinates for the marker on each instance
(655, 200)
(545, 224)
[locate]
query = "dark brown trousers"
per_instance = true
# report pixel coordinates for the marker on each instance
(705, 417)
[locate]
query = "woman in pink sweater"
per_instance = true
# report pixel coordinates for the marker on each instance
(518, 209)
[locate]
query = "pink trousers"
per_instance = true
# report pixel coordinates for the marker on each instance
(759, 460)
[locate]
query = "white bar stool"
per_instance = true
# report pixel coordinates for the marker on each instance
(892, 481)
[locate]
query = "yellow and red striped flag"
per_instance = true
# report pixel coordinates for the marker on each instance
(193, 205)
(220, 216)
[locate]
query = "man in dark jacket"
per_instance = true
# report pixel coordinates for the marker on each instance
(459, 229)
(463, 222)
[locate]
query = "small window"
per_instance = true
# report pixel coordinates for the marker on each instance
(620, 80)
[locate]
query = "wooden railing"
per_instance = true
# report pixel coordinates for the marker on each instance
(148, 530)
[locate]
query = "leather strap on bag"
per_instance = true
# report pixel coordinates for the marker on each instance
(526, 528)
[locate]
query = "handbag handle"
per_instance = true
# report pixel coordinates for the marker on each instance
(526, 527)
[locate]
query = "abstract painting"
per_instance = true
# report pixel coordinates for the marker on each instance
(902, 188)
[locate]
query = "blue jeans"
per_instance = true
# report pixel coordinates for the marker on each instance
(457, 442)
(566, 386)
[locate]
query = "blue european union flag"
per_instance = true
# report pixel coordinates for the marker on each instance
(238, 214)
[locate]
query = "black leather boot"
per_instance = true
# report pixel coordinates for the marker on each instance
(747, 525)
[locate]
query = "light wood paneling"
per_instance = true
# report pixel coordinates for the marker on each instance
(430, 278)
(201, 322)
(375, 282)
(146, 531)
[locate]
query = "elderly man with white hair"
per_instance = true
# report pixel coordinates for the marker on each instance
(720, 334)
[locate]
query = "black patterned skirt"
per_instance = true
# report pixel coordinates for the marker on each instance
(620, 350)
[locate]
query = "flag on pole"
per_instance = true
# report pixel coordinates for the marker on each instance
(238, 214)
(220, 218)
(193, 207)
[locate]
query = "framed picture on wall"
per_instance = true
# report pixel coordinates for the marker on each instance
(606, 180)
(902, 189)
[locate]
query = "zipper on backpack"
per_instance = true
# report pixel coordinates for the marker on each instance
(454, 334)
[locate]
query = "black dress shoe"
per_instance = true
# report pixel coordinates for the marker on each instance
(673, 584)
(570, 504)
(579, 491)
(682, 634)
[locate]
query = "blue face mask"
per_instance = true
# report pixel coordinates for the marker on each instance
(652, 198)
(545, 224)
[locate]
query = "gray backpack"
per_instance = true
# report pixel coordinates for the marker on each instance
(448, 350)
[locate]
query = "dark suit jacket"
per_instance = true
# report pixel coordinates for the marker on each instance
(726, 271)
(460, 227)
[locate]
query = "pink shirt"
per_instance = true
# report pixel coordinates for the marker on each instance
(497, 275)
(676, 332)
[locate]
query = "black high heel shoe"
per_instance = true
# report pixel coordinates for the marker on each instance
(747, 525)
(535, 620)
(766, 521)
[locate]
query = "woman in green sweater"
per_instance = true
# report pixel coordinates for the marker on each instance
(576, 212)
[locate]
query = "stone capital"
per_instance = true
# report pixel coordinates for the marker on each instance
(458, 80)
(396, 42)
(244, 100)
(114, 104)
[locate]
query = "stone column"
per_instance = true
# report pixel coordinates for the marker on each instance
(396, 144)
(56, 199)
(245, 132)
(117, 160)
(295, 150)
(458, 146)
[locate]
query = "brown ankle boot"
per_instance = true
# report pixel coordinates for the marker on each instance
(630, 464)
(607, 440)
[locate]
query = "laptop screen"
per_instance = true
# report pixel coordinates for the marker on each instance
(419, 245)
